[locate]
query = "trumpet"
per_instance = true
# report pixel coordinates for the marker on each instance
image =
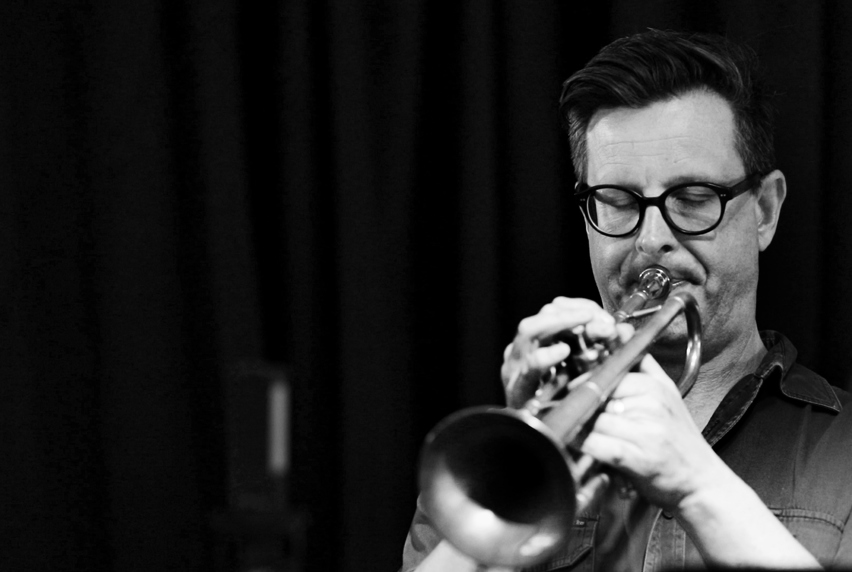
(504, 485)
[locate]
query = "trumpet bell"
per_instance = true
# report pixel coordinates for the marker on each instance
(497, 483)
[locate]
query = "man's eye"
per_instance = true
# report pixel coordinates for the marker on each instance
(614, 198)
(693, 198)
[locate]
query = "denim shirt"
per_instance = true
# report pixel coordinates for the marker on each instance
(783, 429)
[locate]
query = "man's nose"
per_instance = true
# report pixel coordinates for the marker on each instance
(655, 236)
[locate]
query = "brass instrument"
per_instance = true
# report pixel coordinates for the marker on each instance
(499, 483)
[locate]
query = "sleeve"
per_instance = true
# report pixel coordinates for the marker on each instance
(843, 557)
(421, 540)
(838, 464)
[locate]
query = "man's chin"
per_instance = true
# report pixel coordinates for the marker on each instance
(670, 344)
(669, 351)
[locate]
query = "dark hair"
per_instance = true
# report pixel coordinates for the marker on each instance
(654, 66)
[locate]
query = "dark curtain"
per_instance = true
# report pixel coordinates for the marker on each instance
(371, 194)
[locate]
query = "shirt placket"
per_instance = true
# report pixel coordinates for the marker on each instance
(666, 548)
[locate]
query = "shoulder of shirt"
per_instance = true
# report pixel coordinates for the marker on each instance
(797, 381)
(802, 384)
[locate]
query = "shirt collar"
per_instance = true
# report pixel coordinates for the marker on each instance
(779, 361)
(778, 366)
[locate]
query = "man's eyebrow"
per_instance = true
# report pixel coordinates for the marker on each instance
(674, 181)
(689, 179)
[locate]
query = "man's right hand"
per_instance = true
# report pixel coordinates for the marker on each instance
(533, 351)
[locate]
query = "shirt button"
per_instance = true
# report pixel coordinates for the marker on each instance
(667, 515)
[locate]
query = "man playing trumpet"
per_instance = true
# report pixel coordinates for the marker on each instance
(671, 141)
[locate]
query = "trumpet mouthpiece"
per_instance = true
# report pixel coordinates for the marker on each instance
(655, 283)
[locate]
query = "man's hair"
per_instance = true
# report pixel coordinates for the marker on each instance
(655, 66)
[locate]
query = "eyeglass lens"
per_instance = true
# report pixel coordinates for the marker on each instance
(691, 209)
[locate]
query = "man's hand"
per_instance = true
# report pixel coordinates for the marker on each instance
(533, 351)
(646, 432)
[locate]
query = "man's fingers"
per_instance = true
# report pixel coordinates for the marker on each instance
(625, 331)
(543, 358)
(526, 373)
(650, 366)
(564, 303)
(546, 325)
(638, 384)
(608, 449)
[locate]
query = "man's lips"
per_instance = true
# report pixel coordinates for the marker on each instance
(676, 282)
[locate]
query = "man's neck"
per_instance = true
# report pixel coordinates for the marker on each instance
(719, 374)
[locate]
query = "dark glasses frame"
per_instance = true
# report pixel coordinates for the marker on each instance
(583, 192)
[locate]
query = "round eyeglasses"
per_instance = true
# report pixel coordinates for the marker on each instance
(689, 208)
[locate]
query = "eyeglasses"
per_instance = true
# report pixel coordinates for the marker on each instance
(689, 208)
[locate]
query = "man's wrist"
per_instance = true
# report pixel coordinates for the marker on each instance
(731, 526)
(718, 491)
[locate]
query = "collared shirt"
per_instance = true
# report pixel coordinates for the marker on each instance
(783, 429)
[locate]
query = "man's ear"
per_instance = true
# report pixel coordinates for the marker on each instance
(770, 197)
(577, 186)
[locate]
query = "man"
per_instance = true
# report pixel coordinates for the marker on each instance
(671, 142)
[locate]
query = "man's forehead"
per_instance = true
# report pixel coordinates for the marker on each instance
(677, 147)
(697, 127)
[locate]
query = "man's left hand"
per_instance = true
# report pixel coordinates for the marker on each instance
(647, 432)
